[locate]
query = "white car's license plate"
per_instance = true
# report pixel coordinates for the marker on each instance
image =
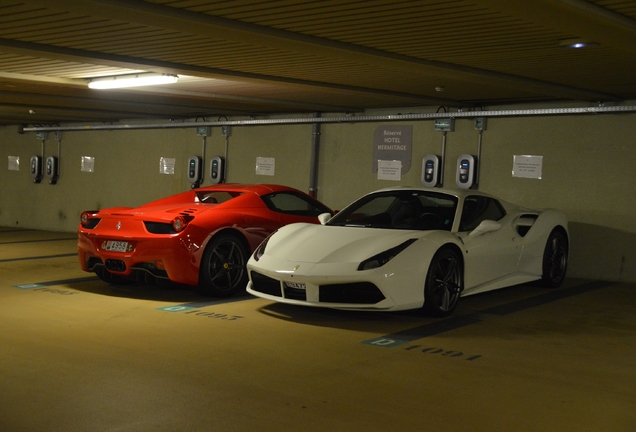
(116, 246)
(295, 285)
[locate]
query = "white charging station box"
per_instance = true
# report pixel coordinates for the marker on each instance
(431, 170)
(216, 169)
(51, 170)
(466, 168)
(194, 171)
(36, 168)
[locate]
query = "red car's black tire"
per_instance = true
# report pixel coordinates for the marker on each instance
(222, 271)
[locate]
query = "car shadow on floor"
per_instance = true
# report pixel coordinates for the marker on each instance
(174, 293)
(500, 302)
(343, 319)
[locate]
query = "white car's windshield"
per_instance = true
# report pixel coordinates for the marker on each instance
(400, 209)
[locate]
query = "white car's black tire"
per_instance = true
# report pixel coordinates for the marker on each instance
(444, 283)
(555, 259)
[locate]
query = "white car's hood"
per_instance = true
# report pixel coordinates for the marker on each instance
(333, 244)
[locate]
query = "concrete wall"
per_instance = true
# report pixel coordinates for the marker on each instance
(588, 172)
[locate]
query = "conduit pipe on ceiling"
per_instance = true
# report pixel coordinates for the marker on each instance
(348, 119)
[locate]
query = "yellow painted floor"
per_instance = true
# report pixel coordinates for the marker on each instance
(77, 354)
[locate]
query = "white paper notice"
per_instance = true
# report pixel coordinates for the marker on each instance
(166, 165)
(14, 163)
(389, 170)
(265, 166)
(88, 164)
(527, 166)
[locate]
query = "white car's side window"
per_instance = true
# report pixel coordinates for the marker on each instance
(477, 209)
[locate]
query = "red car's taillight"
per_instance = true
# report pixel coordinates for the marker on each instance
(88, 219)
(179, 223)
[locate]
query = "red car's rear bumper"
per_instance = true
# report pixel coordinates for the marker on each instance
(172, 257)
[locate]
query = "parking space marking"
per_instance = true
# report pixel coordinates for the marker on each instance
(28, 286)
(194, 308)
(54, 283)
(205, 303)
(202, 304)
(455, 322)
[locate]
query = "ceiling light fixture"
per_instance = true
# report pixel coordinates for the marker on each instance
(576, 43)
(134, 80)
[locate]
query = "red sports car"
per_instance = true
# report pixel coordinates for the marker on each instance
(200, 238)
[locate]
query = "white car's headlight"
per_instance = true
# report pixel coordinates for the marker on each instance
(260, 250)
(384, 257)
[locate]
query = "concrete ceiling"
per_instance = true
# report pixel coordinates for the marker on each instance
(250, 57)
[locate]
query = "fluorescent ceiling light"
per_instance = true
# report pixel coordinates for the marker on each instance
(134, 80)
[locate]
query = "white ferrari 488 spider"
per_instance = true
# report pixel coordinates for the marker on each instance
(406, 248)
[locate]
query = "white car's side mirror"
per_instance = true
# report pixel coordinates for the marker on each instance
(485, 226)
(323, 218)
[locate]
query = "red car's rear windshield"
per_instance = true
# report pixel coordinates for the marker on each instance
(216, 197)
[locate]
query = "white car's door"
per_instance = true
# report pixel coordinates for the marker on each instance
(490, 256)
(492, 246)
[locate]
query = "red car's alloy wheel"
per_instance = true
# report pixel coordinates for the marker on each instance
(223, 272)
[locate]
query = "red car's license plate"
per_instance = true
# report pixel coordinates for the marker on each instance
(116, 246)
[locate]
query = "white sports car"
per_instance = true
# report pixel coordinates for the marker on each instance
(406, 248)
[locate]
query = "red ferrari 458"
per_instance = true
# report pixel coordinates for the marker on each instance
(202, 238)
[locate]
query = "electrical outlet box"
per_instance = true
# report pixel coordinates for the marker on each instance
(444, 124)
(226, 131)
(480, 123)
(204, 131)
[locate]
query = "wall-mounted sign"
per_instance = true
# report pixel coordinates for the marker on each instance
(389, 170)
(393, 143)
(166, 165)
(265, 166)
(527, 166)
(14, 163)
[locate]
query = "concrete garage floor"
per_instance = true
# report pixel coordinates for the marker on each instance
(80, 355)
